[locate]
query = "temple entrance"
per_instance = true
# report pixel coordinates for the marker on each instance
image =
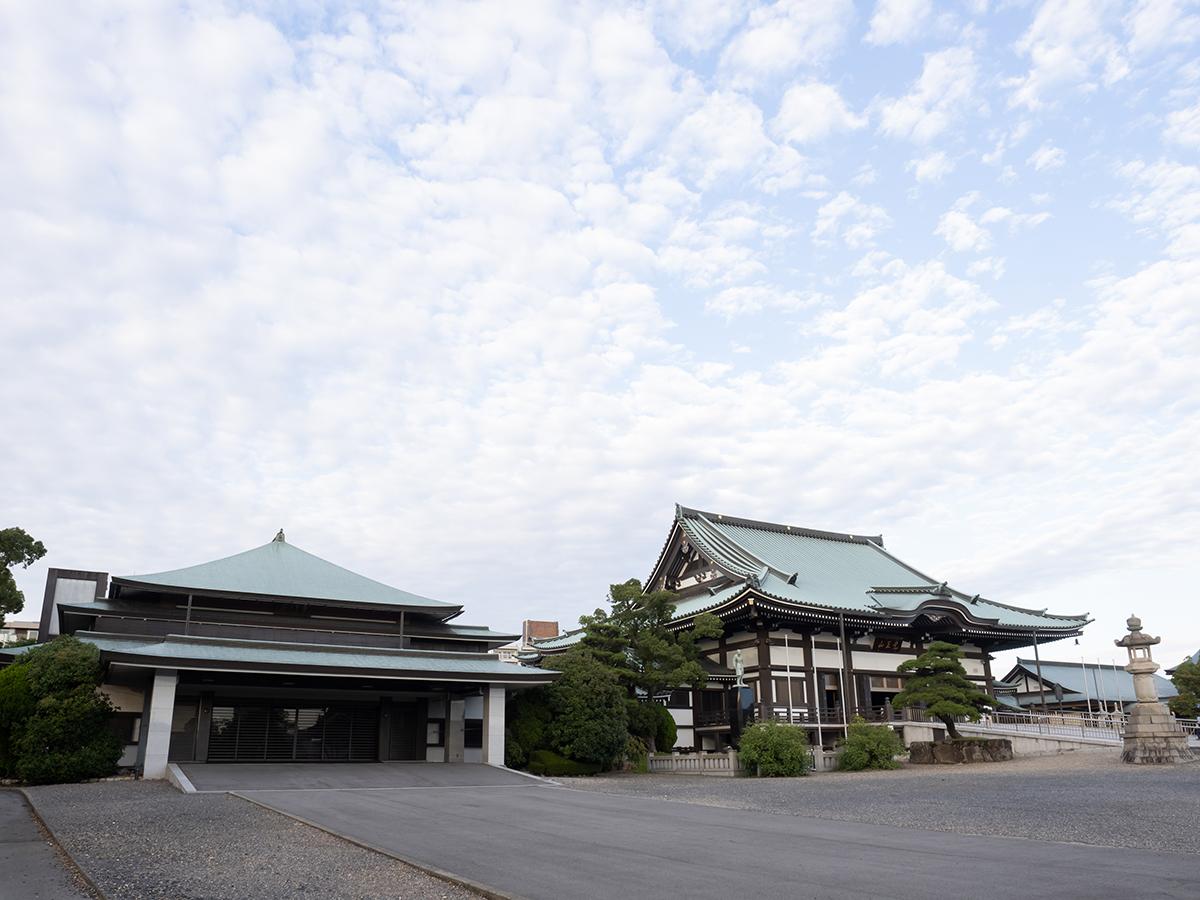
(262, 731)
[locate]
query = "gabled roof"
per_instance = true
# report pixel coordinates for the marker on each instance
(1105, 682)
(831, 570)
(280, 570)
(1194, 659)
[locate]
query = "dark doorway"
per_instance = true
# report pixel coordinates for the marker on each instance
(261, 731)
(406, 730)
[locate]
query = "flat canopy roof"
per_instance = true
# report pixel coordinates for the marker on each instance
(280, 570)
(224, 654)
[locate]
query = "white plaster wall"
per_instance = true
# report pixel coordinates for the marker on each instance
(473, 755)
(884, 662)
(158, 732)
(973, 666)
(827, 659)
(435, 754)
(685, 737)
(123, 699)
(682, 717)
(781, 656)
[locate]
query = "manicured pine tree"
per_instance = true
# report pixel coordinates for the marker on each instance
(940, 684)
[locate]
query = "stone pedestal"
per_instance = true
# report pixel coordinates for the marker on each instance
(1152, 736)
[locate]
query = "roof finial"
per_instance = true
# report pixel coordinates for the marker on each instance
(279, 537)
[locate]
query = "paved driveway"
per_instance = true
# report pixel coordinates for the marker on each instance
(346, 776)
(539, 841)
(29, 866)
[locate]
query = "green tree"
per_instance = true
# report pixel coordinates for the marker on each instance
(16, 706)
(940, 684)
(651, 723)
(528, 723)
(869, 747)
(589, 721)
(16, 549)
(1186, 679)
(775, 750)
(633, 640)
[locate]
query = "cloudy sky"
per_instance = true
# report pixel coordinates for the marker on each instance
(466, 297)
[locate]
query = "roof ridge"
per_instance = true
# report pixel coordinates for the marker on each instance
(683, 511)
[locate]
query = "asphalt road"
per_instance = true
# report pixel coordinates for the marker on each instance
(554, 843)
(29, 866)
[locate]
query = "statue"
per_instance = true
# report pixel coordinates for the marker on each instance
(1151, 733)
(739, 669)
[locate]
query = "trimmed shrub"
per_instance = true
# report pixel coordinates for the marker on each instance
(648, 720)
(773, 750)
(547, 762)
(869, 747)
(67, 739)
(61, 666)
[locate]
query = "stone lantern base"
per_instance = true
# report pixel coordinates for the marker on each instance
(1153, 738)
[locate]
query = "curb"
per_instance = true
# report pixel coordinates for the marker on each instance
(179, 780)
(72, 862)
(483, 890)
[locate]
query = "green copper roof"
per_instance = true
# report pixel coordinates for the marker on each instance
(279, 569)
(1107, 682)
(831, 570)
(208, 653)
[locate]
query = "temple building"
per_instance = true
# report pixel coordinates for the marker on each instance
(277, 655)
(819, 621)
(1051, 686)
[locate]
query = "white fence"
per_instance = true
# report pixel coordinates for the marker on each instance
(1098, 727)
(723, 763)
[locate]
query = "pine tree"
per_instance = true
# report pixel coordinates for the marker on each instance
(939, 683)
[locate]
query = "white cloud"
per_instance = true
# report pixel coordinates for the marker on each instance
(1046, 157)
(785, 36)
(849, 219)
(898, 21)
(813, 111)
(988, 265)
(1154, 25)
(1068, 45)
(946, 85)
(932, 168)
(743, 299)
(961, 232)
(1183, 126)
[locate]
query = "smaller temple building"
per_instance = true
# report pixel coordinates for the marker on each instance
(819, 621)
(1053, 686)
(277, 655)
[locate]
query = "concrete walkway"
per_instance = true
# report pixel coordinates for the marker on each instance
(346, 776)
(30, 867)
(540, 841)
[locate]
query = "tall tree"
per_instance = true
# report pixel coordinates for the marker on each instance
(632, 638)
(1186, 679)
(16, 549)
(940, 684)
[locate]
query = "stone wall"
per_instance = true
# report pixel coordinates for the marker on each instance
(955, 752)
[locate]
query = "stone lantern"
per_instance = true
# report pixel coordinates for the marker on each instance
(1151, 732)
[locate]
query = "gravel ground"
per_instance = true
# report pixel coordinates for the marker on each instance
(141, 839)
(1089, 798)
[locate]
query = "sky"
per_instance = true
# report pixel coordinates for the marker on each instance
(466, 297)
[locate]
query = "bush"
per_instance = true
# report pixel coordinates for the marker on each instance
(637, 756)
(528, 723)
(16, 706)
(67, 739)
(869, 747)
(772, 750)
(589, 720)
(547, 762)
(53, 721)
(648, 720)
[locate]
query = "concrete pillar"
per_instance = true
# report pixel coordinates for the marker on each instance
(456, 730)
(493, 726)
(158, 730)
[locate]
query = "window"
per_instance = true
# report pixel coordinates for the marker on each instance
(473, 733)
(435, 733)
(886, 683)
